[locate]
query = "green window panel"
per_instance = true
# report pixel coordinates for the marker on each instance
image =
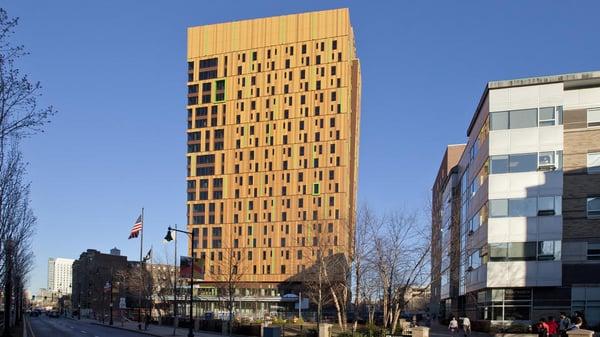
(316, 190)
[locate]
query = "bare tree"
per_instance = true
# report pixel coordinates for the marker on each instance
(136, 280)
(20, 116)
(16, 228)
(230, 268)
(366, 222)
(19, 111)
(313, 278)
(400, 257)
(162, 284)
(327, 280)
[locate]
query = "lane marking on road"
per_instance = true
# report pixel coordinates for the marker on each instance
(28, 324)
(83, 331)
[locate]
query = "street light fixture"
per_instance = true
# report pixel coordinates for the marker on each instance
(169, 238)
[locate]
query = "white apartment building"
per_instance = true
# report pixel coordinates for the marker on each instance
(60, 271)
(527, 202)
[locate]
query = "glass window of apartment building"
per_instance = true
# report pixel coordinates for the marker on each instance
(522, 207)
(593, 251)
(546, 158)
(549, 250)
(526, 207)
(525, 251)
(587, 299)
(499, 120)
(499, 164)
(547, 116)
(526, 118)
(593, 163)
(525, 162)
(548, 206)
(593, 207)
(498, 207)
(504, 304)
(593, 117)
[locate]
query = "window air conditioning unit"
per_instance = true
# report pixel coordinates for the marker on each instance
(470, 232)
(470, 268)
(547, 167)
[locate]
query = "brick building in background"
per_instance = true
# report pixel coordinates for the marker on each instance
(91, 272)
(523, 239)
(273, 129)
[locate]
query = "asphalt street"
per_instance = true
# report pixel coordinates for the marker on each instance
(61, 327)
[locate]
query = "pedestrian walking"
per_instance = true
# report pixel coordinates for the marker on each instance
(577, 324)
(542, 328)
(552, 327)
(583, 321)
(466, 326)
(453, 326)
(564, 324)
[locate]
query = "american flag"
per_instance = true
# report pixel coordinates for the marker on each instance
(137, 228)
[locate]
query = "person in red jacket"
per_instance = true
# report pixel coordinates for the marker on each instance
(552, 327)
(542, 328)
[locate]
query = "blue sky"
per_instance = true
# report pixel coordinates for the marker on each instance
(116, 72)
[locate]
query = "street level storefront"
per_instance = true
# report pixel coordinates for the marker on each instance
(211, 302)
(527, 305)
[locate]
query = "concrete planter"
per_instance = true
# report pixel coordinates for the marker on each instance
(517, 334)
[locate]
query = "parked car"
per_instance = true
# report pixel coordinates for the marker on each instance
(53, 314)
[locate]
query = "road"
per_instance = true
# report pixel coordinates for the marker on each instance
(61, 327)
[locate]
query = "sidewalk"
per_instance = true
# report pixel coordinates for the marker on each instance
(153, 330)
(438, 330)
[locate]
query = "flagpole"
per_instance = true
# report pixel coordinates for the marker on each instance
(152, 277)
(141, 273)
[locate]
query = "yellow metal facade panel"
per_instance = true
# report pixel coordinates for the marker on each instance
(242, 35)
(273, 129)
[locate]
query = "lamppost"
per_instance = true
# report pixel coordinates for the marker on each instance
(60, 302)
(169, 238)
(175, 318)
(79, 302)
(111, 297)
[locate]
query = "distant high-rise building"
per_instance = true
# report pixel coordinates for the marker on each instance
(516, 210)
(60, 274)
(273, 132)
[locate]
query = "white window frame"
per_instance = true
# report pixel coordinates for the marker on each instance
(593, 246)
(593, 169)
(551, 165)
(592, 216)
(595, 122)
(553, 119)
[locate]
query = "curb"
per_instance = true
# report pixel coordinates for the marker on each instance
(143, 332)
